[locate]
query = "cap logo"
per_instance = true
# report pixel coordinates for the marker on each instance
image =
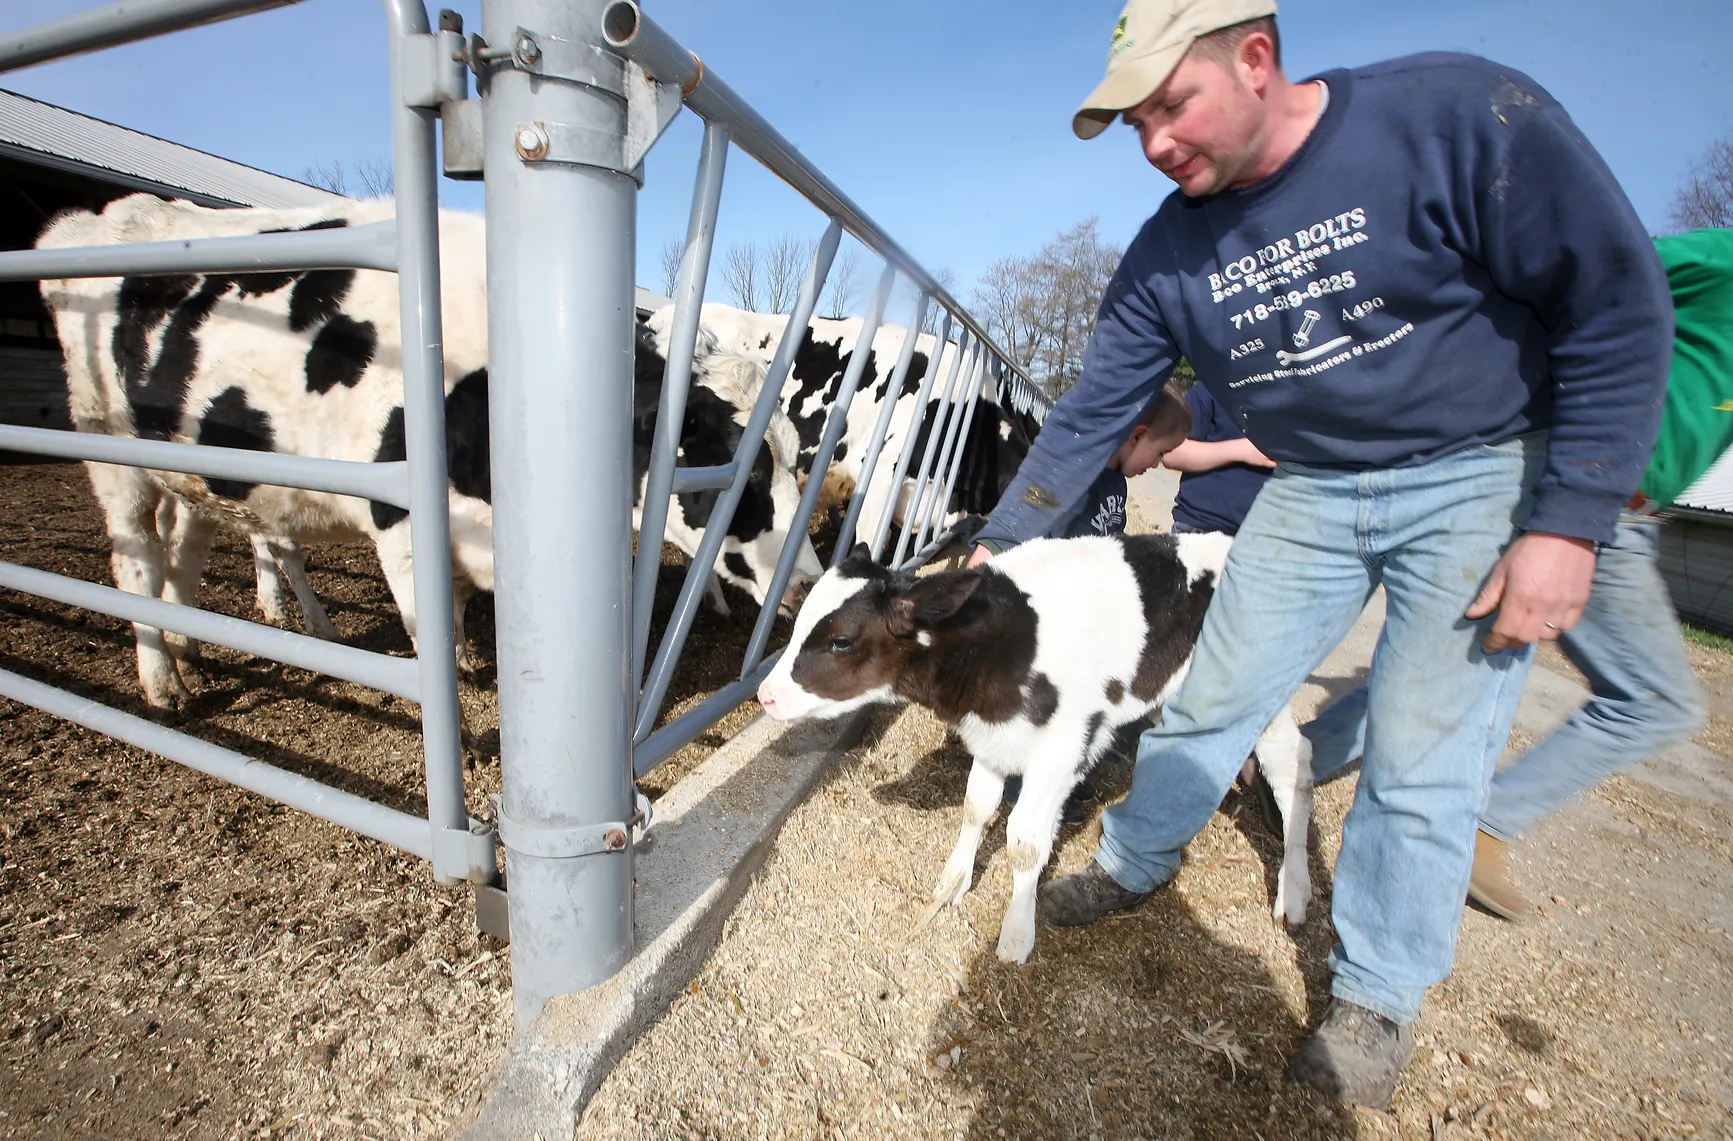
(1119, 40)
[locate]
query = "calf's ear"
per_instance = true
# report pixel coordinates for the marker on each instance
(928, 601)
(861, 551)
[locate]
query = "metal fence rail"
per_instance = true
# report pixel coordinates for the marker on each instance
(573, 94)
(460, 849)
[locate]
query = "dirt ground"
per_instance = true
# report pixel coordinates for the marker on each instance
(828, 1012)
(179, 958)
(182, 959)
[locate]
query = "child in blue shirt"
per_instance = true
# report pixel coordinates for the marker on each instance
(1221, 470)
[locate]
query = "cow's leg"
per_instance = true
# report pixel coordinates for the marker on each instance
(187, 536)
(398, 563)
(714, 596)
(269, 581)
(462, 590)
(1029, 833)
(1286, 760)
(292, 561)
(980, 801)
(129, 501)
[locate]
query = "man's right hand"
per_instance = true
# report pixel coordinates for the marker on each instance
(981, 555)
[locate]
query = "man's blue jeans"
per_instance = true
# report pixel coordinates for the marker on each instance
(1313, 548)
(1644, 697)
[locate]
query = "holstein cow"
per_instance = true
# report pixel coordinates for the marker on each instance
(309, 363)
(1007, 415)
(1035, 658)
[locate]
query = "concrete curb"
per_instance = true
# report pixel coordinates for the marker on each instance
(711, 833)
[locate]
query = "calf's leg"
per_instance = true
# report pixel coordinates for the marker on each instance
(985, 790)
(1286, 760)
(129, 503)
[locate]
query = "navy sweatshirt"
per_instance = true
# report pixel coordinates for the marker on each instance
(1101, 511)
(1444, 262)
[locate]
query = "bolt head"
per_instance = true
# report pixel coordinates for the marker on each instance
(614, 840)
(531, 141)
(528, 50)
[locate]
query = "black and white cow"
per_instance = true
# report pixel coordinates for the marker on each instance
(308, 363)
(1007, 414)
(1036, 658)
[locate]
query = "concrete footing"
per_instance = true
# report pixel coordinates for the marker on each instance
(711, 833)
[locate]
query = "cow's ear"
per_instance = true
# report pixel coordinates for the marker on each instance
(861, 551)
(931, 600)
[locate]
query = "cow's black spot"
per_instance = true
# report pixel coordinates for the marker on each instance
(1173, 609)
(1040, 700)
(466, 451)
(259, 284)
(157, 404)
(317, 297)
(1115, 691)
(230, 422)
(391, 449)
(817, 368)
(143, 305)
(341, 352)
(841, 451)
(911, 379)
(708, 438)
(737, 565)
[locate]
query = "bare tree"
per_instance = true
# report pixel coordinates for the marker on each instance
(1042, 308)
(375, 178)
(370, 178)
(672, 251)
(743, 276)
(947, 279)
(327, 176)
(786, 259)
(1706, 196)
(842, 286)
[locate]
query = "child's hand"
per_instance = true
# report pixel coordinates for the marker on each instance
(981, 555)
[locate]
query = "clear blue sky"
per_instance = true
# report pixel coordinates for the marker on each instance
(947, 122)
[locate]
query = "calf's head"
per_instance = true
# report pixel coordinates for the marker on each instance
(857, 635)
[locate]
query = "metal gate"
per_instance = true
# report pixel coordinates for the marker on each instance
(573, 93)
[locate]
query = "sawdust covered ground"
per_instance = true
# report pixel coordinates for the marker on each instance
(179, 958)
(827, 1011)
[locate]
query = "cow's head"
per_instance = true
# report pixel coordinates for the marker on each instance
(719, 402)
(858, 632)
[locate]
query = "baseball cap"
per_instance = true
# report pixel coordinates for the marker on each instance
(1152, 36)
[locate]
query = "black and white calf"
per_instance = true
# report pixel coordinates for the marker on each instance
(1035, 658)
(309, 363)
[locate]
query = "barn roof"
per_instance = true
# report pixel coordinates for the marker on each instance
(46, 135)
(1713, 490)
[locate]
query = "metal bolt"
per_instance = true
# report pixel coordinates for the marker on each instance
(528, 50)
(614, 840)
(531, 142)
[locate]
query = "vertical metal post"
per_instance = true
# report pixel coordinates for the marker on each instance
(911, 517)
(909, 433)
(962, 451)
(869, 465)
(671, 413)
(933, 507)
(833, 429)
(752, 438)
(560, 250)
(417, 196)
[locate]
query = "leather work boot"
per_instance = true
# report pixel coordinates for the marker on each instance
(1489, 884)
(1355, 1055)
(1083, 897)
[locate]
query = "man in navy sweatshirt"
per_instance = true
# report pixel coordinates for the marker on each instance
(1421, 292)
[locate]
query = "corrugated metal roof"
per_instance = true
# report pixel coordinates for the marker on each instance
(1713, 490)
(52, 136)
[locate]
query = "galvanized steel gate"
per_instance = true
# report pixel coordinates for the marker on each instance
(573, 93)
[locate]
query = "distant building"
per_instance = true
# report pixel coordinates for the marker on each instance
(1696, 549)
(52, 159)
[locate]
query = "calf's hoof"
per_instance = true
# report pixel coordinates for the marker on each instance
(1016, 939)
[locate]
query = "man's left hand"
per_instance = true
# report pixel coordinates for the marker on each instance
(1539, 589)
